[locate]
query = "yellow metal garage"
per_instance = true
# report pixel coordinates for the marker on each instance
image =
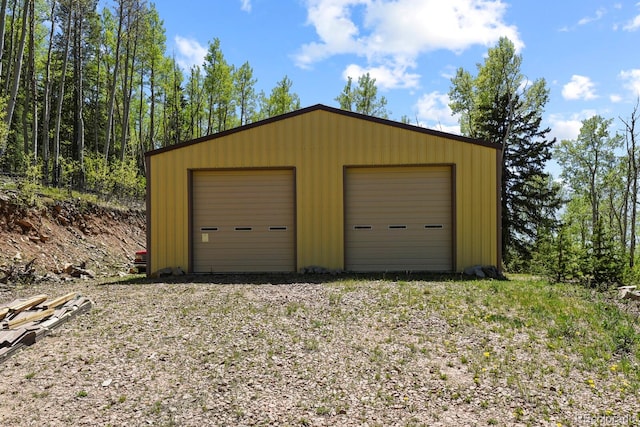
(300, 190)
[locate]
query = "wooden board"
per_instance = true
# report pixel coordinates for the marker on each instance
(23, 305)
(38, 315)
(60, 300)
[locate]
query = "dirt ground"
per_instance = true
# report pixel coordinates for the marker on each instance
(55, 234)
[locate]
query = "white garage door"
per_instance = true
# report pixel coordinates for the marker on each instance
(398, 219)
(243, 221)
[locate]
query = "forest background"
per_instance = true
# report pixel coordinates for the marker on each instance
(85, 92)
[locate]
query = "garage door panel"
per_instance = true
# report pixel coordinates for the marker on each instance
(243, 221)
(398, 218)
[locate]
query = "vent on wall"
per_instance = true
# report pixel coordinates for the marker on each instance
(433, 226)
(362, 227)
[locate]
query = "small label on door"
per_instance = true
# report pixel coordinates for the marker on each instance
(205, 237)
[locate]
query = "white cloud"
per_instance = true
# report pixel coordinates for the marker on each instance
(580, 87)
(563, 127)
(386, 78)
(632, 25)
(246, 5)
(632, 80)
(615, 98)
(588, 19)
(394, 33)
(433, 109)
(190, 52)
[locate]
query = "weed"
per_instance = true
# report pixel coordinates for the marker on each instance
(311, 344)
(40, 395)
(323, 410)
(335, 298)
(625, 339)
(293, 307)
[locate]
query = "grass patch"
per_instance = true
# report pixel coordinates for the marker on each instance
(581, 330)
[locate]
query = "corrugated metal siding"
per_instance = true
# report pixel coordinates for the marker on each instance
(319, 144)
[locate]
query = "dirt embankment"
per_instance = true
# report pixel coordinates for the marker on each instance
(76, 232)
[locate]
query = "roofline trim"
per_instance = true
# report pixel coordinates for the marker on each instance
(330, 110)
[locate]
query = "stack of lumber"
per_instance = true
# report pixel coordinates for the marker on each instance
(25, 321)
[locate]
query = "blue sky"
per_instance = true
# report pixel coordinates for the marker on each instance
(587, 51)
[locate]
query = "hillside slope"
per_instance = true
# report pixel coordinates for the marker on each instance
(58, 233)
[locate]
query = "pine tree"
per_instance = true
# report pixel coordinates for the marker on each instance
(500, 105)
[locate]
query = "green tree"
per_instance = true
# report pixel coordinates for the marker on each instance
(590, 169)
(155, 55)
(633, 180)
(364, 98)
(218, 84)
(280, 101)
(500, 105)
(246, 98)
(196, 113)
(174, 101)
(587, 162)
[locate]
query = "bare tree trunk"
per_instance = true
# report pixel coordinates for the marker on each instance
(634, 166)
(112, 89)
(79, 92)
(135, 17)
(11, 104)
(210, 116)
(96, 100)
(140, 120)
(10, 50)
(126, 96)
(25, 114)
(3, 19)
(176, 103)
(152, 107)
(56, 138)
(34, 83)
(47, 101)
(133, 20)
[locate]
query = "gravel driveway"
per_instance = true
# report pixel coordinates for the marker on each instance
(343, 353)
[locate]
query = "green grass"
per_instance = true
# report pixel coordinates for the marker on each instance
(581, 330)
(39, 195)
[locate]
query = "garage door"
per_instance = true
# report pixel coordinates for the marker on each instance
(243, 221)
(398, 219)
